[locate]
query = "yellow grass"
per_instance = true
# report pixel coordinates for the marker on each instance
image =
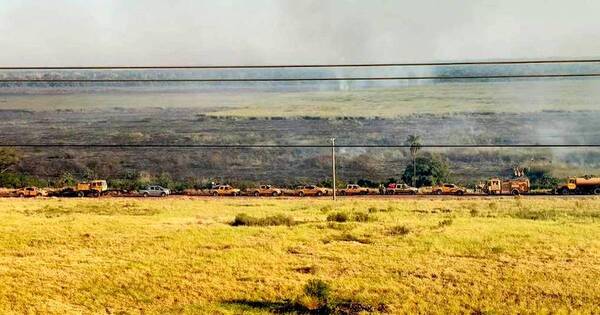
(511, 255)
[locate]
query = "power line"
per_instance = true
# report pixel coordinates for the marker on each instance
(510, 76)
(250, 146)
(357, 65)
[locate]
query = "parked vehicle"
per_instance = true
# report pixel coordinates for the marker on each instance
(65, 192)
(580, 185)
(93, 188)
(224, 190)
(154, 191)
(497, 186)
(311, 190)
(31, 192)
(448, 189)
(266, 190)
(353, 189)
(399, 189)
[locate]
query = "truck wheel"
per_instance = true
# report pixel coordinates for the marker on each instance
(163, 194)
(564, 191)
(438, 192)
(256, 194)
(342, 193)
(301, 194)
(38, 195)
(95, 194)
(460, 192)
(21, 195)
(216, 194)
(274, 194)
(515, 192)
(80, 194)
(319, 194)
(412, 192)
(597, 191)
(145, 195)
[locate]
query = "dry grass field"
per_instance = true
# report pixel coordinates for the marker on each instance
(185, 255)
(390, 102)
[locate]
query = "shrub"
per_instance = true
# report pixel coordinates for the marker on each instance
(243, 219)
(317, 296)
(338, 217)
(362, 217)
(317, 289)
(345, 217)
(399, 230)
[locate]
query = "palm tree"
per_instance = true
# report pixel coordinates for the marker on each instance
(414, 142)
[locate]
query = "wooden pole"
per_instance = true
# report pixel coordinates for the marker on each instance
(333, 164)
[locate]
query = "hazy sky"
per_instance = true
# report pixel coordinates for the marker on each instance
(128, 32)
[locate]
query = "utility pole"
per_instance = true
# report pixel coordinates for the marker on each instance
(333, 163)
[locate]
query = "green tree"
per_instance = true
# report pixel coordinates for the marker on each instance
(426, 171)
(9, 157)
(541, 178)
(414, 141)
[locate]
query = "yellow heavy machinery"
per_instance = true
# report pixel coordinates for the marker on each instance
(497, 186)
(580, 185)
(93, 188)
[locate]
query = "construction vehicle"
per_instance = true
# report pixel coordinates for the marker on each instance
(353, 189)
(398, 189)
(311, 190)
(31, 192)
(266, 190)
(224, 190)
(93, 188)
(497, 186)
(580, 185)
(448, 189)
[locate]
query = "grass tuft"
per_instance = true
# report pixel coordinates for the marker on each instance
(338, 217)
(399, 230)
(345, 217)
(445, 222)
(243, 219)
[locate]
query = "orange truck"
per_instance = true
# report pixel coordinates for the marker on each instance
(580, 185)
(224, 190)
(448, 189)
(266, 190)
(311, 190)
(497, 186)
(31, 192)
